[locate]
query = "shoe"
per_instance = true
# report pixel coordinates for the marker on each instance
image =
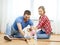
(7, 38)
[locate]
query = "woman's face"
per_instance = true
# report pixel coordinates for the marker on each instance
(40, 11)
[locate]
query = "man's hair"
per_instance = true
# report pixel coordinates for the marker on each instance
(42, 7)
(27, 12)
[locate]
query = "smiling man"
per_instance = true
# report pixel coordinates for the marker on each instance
(19, 24)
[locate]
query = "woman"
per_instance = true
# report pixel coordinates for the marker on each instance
(44, 24)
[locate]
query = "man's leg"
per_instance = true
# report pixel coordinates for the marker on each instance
(16, 33)
(8, 30)
(8, 33)
(11, 32)
(42, 35)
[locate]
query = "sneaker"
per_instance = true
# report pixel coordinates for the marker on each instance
(7, 38)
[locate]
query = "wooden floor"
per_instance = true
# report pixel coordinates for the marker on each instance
(54, 40)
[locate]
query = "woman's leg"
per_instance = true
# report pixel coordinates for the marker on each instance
(42, 35)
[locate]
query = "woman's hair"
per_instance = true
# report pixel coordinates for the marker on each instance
(27, 12)
(42, 7)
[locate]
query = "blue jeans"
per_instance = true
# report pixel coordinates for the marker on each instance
(12, 32)
(15, 33)
(42, 35)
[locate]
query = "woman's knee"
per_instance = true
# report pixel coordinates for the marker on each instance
(43, 36)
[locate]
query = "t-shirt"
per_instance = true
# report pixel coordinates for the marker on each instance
(21, 21)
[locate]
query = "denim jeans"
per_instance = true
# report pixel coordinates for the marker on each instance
(12, 32)
(15, 33)
(42, 35)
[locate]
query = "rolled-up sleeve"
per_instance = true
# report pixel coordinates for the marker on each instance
(41, 22)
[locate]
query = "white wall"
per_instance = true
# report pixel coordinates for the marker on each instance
(11, 9)
(14, 8)
(50, 7)
(17, 8)
(4, 14)
(0, 13)
(58, 18)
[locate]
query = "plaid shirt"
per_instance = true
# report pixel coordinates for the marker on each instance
(44, 23)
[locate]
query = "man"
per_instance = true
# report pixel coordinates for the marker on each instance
(18, 26)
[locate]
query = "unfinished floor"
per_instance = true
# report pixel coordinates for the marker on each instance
(54, 40)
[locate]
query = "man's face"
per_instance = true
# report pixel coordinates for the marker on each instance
(26, 17)
(40, 11)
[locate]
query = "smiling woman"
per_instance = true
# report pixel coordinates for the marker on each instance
(50, 6)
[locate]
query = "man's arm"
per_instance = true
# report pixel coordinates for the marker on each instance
(20, 29)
